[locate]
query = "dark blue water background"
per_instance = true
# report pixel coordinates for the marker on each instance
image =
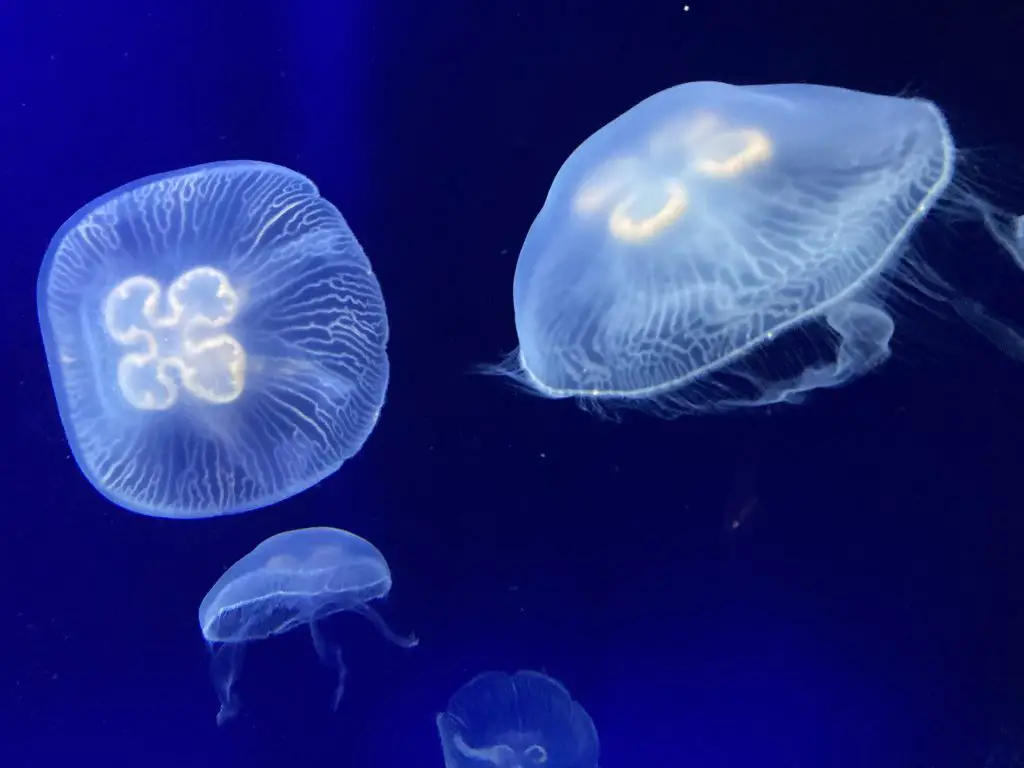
(867, 611)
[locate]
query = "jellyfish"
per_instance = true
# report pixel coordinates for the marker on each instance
(680, 241)
(296, 578)
(216, 339)
(516, 721)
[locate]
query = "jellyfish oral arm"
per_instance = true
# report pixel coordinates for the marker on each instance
(403, 641)
(330, 655)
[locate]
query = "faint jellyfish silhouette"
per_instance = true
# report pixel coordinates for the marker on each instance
(292, 579)
(689, 232)
(516, 721)
(216, 339)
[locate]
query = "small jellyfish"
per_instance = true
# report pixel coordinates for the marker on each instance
(691, 231)
(292, 579)
(516, 721)
(216, 339)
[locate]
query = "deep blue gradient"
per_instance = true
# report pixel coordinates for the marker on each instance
(867, 610)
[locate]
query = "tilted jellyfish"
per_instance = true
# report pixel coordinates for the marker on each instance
(216, 339)
(707, 220)
(516, 721)
(292, 579)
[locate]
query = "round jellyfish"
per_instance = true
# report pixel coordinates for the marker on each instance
(709, 219)
(516, 721)
(289, 580)
(216, 339)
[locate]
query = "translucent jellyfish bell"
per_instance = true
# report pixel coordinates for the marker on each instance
(516, 721)
(695, 228)
(296, 578)
(216, 339)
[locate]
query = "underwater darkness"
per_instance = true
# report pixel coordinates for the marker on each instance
(832, 584)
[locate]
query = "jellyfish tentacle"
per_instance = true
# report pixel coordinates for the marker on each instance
(404, 641)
